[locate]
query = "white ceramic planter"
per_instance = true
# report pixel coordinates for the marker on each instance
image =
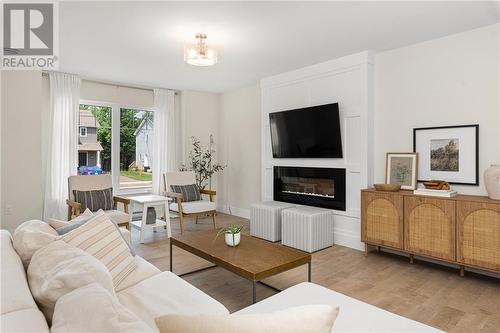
(233, 239)
(492, 181)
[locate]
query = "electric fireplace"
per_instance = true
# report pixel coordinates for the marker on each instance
(320, 187)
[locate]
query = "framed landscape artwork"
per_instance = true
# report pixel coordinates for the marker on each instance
(401, 168)
(449, 153)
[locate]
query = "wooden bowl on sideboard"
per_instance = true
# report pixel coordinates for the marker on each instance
(387, 187)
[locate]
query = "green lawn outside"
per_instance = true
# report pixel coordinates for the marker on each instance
(145, 176)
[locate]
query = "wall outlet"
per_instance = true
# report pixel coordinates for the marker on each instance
(8, 209)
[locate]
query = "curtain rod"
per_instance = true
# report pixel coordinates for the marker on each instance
(111, 83)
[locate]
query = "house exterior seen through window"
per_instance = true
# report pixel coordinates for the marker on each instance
(134, 149)
(94, 141)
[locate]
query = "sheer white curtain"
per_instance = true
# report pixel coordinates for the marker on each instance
(62, 152)
(164, 137)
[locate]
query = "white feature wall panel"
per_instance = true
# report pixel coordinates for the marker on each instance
(352, 144)
(349, 82)
(353, 198)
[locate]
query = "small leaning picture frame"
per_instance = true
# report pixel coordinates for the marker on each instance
(401, 168)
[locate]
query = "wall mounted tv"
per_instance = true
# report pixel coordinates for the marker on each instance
(312, 132)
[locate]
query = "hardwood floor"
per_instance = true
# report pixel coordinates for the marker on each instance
(431, 294)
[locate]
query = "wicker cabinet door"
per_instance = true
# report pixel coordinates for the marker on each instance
(430, 227)
(382, 219)
(478, 234)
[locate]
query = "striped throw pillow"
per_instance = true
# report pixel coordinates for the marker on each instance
(102, 239)
(95, 200)
(189, 192)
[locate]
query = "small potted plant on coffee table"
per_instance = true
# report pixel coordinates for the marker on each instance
(232, 234)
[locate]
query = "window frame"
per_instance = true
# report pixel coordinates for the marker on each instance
(83, 128)
(115, 142)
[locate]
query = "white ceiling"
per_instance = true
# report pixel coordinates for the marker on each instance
(142, 43)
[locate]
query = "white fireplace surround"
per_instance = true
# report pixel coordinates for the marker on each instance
(349, 82)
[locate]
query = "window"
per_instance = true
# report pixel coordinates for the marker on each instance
(94, 142)
(136, 148)
(119, 140)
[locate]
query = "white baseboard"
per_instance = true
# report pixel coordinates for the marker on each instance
(223, 209)
(347, 238)
(236, 211)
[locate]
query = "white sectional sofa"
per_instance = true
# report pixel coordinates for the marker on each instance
(150, 293)
(18, 310)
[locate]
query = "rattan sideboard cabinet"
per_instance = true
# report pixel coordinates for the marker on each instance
(382, 218)
(430, 227)
(463, 230)
(478, 234)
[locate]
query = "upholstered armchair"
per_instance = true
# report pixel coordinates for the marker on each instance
(93, 183)
(188, 208)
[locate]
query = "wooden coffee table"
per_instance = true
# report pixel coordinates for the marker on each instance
(253, 259)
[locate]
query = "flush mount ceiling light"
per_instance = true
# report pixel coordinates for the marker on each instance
(200, 54)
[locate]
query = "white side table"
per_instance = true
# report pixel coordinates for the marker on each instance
(147, 201)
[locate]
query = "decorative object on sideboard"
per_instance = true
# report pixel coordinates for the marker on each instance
(151, 216)
(401, 168)
(437, 185)
(450, 153)
(387, 187)
(232, 234)
(436, 193)
(492, 181)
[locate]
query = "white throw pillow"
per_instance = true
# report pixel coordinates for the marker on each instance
(93, 309)
(31, 236)
(101, 238)
(301, 319)
(60, 268)
(55, 223)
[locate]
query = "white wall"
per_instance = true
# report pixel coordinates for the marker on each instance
(446, 81)
(21, 157)
(234, 120)
(239, 149)
(129, 97)
(199, 118)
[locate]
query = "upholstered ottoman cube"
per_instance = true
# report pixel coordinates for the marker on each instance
(307, 228)
(265, 219)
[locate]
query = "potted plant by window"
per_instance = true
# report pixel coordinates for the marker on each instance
(232, 234)
(201, 162)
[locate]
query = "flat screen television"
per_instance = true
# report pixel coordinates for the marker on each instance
(312, 132)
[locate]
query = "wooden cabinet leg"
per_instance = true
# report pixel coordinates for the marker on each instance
(462, 270)
(378, 248)
(366, 250)
(411, 259)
